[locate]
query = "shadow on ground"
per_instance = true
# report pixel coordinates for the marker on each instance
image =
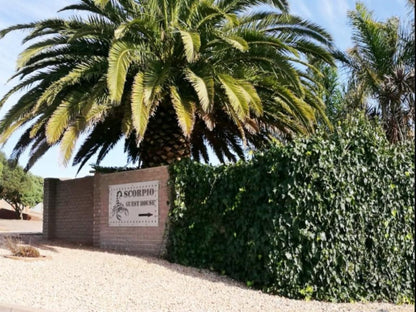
(202, 274)
(34, 240)
(11, 215)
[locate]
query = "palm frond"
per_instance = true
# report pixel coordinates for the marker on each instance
(102, 3)
(185, 111)
(192, 43)
(68, 141)
(58, 123)
(121, 56)
(204, 88)
(235, 95)
(140, 109)
(236, 42)
(182, 73)
(7, 30)
(252, 98)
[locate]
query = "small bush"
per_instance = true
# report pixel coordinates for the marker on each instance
(19, 250)
(330, 217)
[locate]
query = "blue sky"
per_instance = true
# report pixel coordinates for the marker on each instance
(330, 14)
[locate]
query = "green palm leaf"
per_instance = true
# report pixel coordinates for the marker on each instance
(192, 43)
(139, 109)
(57, 123)
(27, 54)
(185, 111)
(101, 3)
(121, 56)
(153, 82)
(204, 88)
(68, 143)
(236, 96)
(166, 77)
(252, 98)
(236, 42)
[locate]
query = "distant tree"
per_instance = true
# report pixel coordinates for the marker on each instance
(382, 71)
(328, 87)
(408, 35)
(19, 188)
(34, 195)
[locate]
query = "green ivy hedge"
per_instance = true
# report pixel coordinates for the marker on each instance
(329, 218)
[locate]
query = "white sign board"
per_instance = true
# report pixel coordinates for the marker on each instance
(134, 204)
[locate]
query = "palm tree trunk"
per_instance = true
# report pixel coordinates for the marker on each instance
(163, 142)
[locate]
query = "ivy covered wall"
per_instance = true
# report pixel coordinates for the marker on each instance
(330, 217)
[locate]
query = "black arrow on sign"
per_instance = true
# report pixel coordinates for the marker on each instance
(145, 214)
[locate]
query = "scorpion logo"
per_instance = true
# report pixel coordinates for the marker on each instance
(118, 208)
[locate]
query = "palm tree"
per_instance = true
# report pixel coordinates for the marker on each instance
(329, 87)
(167, 77)
(383, 69)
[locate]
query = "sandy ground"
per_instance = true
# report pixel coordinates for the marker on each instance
(74, 278)
(20, 226)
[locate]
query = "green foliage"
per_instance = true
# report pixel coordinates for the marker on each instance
(17, 187)
(383, 71)
(101, 169)
(164, 77)
(329, 218)
(330, 89)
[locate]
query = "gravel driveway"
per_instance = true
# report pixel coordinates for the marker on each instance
(73, 278)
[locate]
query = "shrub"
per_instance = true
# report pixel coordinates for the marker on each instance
(19, 250)
(330, 217)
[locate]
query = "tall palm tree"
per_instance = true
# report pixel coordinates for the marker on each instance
(383, 69)
(167, 77)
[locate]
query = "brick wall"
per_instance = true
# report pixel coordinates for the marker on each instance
(146, 240)
(77, 211)
(68, 210)
(49, 193)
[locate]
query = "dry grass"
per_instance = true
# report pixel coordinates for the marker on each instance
(18, 249)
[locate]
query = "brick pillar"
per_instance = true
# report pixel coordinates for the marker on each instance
(49, 207)
(96, 219)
